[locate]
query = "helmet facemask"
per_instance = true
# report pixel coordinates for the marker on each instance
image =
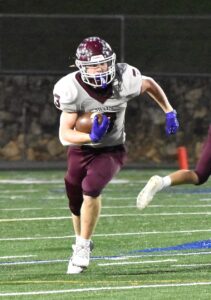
(99, 79)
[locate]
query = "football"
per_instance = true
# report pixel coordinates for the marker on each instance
(85, 120)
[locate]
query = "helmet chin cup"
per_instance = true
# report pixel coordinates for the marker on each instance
(94, 51)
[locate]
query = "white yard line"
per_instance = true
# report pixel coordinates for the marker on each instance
(34, 208)
(146, 255)
(30, 181)
(108, 216)
(169, 196)
(34, 219)
(103, 207)
(191, 265)
(33, 262)
(51, 181)
(107, 235)
(16, 256)
(135, 262)
(205, 199)
(37, 262)
(118, 198)
(111, 258)
(108, 288)
(12, 197)
(17, 191)
(26, 197)
(181, 206)
(158, 214)
(38, 238)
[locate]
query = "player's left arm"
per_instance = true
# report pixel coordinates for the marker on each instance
(152, 88)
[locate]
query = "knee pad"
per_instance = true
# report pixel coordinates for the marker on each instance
(75, 197)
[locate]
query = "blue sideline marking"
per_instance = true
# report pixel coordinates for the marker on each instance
(206, 244)
(195, 190)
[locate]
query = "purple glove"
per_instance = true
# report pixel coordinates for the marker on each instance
(172, 124)
(99, 130)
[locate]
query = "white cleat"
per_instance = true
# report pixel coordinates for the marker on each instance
(91, 246)
(154, 185)
(72, 269)
(81, 256)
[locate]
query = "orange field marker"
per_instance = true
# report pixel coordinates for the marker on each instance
(182, 157)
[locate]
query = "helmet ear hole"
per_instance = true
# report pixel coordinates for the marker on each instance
(94, 51)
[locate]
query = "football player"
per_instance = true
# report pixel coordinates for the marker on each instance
(198, 176)
(99, 85)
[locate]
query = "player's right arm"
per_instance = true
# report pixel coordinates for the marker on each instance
(65, 99)
(67, 133)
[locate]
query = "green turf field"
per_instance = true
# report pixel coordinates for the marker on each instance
(162, 252)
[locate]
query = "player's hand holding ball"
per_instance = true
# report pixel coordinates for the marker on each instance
(99, 129)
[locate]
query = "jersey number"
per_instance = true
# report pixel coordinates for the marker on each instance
(112, 117)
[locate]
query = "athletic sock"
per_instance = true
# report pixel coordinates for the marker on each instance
(166, 181)
(82, 242)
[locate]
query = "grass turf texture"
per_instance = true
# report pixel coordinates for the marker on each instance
(36, 237)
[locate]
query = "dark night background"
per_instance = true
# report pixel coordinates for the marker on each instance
(168, 40)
